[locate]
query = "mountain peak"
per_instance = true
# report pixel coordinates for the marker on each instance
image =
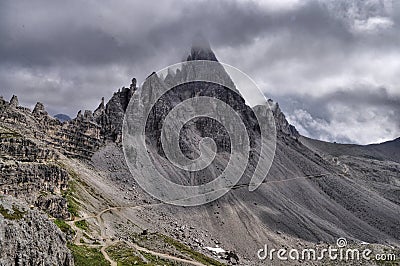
(201, 50)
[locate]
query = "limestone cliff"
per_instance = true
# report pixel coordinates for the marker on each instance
(27, 237)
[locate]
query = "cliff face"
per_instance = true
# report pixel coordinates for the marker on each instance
(111, 116)
(28, 169)
(31, 143)
(27, 237)
(79, 137)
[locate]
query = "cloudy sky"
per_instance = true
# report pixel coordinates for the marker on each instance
(334, 66)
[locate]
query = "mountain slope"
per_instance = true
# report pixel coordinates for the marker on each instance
(76, 171)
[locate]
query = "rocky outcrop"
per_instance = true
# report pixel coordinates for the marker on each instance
(39, 110)
(79, 137)
(53, 205)
(27, 237)
(15, 147)
(14, 102)
(111, 116)
(282, 125)
(100, 110)
(29, 169)
(27, 180)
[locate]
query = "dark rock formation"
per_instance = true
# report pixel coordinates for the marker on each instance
(29, 179)
(100, 110)
(26, 169)
(14, 101)
(53, 205)
(282, 125)
(133, 85)
(39, 110)
(111, 117)
(80, 137)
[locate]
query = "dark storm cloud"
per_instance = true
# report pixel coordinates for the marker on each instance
(69, 54)
(345, 115)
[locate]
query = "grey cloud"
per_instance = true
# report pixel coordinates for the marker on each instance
(346, 116)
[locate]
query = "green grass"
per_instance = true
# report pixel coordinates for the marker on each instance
(184, 250)
(64, 227)
(15, 215)
(84, 256)
(154, 260)
(72, 204)
(82, 225)
(197, 256)
(126, 256)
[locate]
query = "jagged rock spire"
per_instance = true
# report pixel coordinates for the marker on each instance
(99, 110)
(39, 109)
(14, 101)
(88, 115)
(79, 115)
(201, 50)
(101, 105)
(133, 84)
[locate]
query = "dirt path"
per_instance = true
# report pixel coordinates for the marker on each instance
(103, 251)
(99, 214)
(166, 256)
(108, 242)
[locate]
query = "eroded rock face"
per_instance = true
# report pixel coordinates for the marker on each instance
(111, 116)
(14, 101)
(18, 148)
(282, 125)
(27, 179)
(39, 110)
(28, 170)
(27, 237)
(53, 205)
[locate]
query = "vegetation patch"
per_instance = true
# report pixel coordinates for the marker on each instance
(84, 256)
(126, 256)
(64, 227)
(15, 215)
(197, 256)
(168, 245)
(82, 225)
(72, 204)
(155, 260)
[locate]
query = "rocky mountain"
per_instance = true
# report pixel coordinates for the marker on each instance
(62, 117)
(76, 174)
